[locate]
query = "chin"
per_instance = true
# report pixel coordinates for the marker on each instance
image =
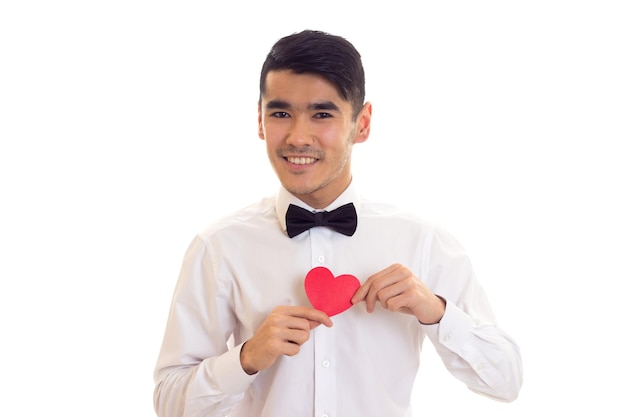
(299, 190)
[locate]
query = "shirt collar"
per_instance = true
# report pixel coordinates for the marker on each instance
(284, 198)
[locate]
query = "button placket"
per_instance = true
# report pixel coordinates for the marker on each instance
(325, 393)
(321, 246)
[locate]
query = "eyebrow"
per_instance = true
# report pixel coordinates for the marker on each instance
(280, 104)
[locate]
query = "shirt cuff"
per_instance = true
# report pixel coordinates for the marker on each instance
(454, 328)
(228, 373)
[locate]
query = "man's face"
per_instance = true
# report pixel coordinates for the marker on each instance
(309, 132)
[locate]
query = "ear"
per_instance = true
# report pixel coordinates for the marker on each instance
(363, 122)
(260, 120)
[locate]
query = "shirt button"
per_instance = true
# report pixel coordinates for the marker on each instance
(324, 415)
(446, 338)
(326, 364)
(321, 259)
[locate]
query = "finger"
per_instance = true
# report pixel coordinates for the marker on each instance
(314, 324)
(316, 317)
(399, 302)
(363, 291)
(360, 294)
(379, 282)
(281, 319)
(310, 314)
(392, 291)
(370, 299)
(321, 318)
(367, 294)
(297, 337)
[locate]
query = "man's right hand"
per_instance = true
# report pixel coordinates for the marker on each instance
(282, 333)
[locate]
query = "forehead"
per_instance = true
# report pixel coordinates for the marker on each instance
(288, 86)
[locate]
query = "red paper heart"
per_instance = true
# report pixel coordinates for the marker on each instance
(329, 294)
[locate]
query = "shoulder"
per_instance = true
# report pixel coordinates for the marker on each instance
(260, 216)
(379, 211)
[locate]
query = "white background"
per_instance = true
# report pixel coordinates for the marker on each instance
(128, 126)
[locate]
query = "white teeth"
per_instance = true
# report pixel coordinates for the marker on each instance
(300, 160)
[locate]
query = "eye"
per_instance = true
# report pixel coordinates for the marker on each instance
(323, 115)
(280, 114)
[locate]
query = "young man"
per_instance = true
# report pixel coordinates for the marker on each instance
(242, 338)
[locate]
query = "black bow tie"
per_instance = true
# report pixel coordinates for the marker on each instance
(342, 219)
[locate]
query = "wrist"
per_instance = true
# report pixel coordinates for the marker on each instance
(435, 313)
(245, 362)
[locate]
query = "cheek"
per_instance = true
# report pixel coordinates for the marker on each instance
(336, 139)
(330, 136)
(272, 130)
(273, 141)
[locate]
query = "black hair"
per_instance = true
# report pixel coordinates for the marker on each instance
(321, 53)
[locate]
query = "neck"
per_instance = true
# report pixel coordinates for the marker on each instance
(323, 198)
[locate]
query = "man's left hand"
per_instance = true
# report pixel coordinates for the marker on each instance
(396, 288)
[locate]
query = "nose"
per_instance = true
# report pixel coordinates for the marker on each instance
(300, 133)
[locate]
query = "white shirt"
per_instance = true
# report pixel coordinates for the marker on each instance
(236, 271)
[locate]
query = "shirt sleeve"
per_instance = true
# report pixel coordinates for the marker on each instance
(468, 340)
(197, 372)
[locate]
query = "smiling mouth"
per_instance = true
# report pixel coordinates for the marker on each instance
(300, 160)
